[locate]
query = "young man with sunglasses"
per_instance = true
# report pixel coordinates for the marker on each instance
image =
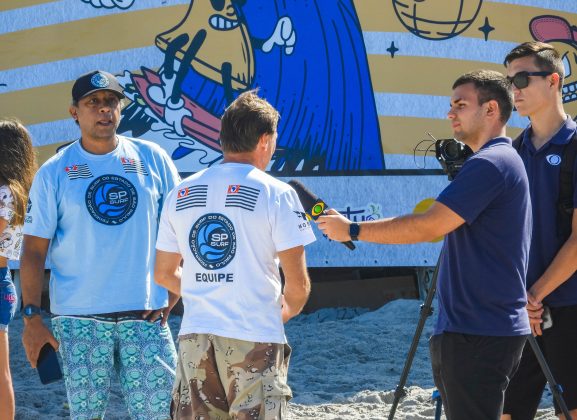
(536, 72)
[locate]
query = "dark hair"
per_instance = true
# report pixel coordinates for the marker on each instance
(246, 119)
(490, 86)
(17, 164)
(546, 57)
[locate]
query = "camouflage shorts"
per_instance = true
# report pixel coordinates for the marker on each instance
(222, 378)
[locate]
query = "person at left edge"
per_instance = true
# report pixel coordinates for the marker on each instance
(17, 166)
(94, 207)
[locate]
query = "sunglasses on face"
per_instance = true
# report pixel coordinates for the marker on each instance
(521, 79)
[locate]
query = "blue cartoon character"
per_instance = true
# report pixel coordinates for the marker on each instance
(306, 57)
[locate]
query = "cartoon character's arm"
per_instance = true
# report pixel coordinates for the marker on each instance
(169, 93)
(226, 71)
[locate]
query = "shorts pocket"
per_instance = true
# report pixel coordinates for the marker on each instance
(276, 394)
(8, 303)
(276, 387)
(276, 391)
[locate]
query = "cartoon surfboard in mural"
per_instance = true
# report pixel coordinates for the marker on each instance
(197, 123)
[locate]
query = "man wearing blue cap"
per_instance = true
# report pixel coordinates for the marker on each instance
(94, 208)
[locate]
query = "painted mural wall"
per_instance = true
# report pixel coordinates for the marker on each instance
(358, 84)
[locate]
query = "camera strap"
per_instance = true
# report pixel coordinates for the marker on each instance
(566, 187)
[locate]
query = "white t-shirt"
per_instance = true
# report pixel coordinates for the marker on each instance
(11, 237)
(229, 222)
(101, 215)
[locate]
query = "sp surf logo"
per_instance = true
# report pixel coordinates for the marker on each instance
(212, 241)
(111, 199)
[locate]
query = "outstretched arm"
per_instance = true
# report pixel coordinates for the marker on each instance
(437, 221)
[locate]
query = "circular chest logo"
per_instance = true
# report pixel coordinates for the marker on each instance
(212, 241)
(554, 159)
(111, 199)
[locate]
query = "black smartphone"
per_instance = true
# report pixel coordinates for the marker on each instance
(48, 366)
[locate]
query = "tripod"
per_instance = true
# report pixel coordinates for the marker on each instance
(555, 388)
(426, 311)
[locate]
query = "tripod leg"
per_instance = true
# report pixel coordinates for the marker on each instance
(556, 389)
(426, 311)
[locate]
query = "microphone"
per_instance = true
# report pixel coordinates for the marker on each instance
(313, 205)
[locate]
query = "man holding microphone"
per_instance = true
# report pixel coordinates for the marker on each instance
(486, 214)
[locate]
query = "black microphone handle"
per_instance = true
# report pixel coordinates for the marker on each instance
(309, 201)
(349, 244)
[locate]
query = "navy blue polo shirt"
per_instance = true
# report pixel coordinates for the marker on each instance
(481, 279)
(543, 167)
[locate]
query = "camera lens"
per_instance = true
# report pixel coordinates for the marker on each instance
(452, 150)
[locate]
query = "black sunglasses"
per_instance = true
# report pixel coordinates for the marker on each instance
(521, 79)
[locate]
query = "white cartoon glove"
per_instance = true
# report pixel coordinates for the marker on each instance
(284, 35)
(173, 112)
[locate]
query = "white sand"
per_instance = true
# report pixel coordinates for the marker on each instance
(345, 365)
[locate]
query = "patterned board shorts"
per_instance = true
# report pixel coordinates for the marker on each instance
(221, 378)
(8, 299)
(92, 349)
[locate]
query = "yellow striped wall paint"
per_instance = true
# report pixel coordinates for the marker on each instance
(18, 4)
(420, 70)
(395, 86)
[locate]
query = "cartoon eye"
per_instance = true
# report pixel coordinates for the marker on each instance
(567, 65)
(218, 5)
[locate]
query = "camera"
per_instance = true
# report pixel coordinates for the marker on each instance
(451, 154)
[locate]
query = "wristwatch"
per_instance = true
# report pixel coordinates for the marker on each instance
(30, 310)
(354, 230)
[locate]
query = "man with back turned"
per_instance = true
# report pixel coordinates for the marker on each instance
(231, 224)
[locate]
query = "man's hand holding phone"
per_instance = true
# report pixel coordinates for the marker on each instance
(34, 337)
(47, 365)
(40, 346)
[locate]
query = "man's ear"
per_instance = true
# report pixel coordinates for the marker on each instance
(555, 79)
(264, 141)
(492, 108)
(73, 112)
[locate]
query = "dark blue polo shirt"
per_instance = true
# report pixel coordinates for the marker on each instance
(481, 280)
(543, 168)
